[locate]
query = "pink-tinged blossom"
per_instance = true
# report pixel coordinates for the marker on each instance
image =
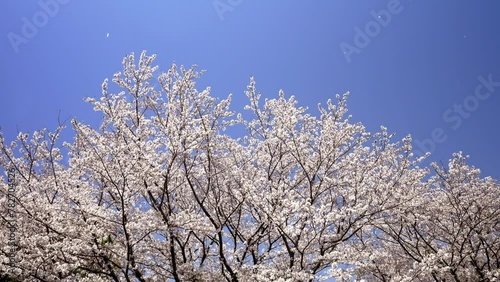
(158, 191)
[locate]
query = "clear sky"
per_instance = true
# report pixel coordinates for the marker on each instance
(426, 68)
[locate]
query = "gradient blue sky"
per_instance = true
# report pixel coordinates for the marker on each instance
(410, 77)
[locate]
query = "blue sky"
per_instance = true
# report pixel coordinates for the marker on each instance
(423, 71)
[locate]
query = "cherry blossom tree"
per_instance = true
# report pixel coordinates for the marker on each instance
(162, 192)
(450, 232)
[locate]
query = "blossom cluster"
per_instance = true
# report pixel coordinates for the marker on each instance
(161, 191)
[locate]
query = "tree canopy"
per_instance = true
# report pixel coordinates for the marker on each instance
(160, 191)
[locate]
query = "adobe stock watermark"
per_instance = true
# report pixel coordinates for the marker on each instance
(223, 6)
(363, 37)
(11, 218)
(455, 115)
(31, 26)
